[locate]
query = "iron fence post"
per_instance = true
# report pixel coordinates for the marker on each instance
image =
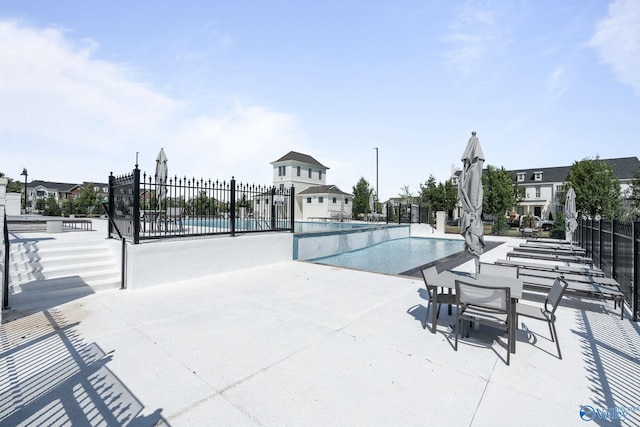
(112, 210)
(614, 243)
(292, 208)
(273, 208)
(136, 206)
(635, 292)
(232, 208)
(5, 278)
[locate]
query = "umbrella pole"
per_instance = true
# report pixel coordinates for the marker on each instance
(477, 262)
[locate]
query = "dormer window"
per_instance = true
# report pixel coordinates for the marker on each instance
(520, 177)
(454, 180)
(537, 176)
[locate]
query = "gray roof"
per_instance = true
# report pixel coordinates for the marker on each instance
(60, 186)
(299, 157)
(624, 168)
(323, 189)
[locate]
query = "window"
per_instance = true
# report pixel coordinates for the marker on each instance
(346, 201)
(320, 175)
(282, 170)
(298, 170)
(454, 180)
(105, 189)
(309, 172)
(520, 177)
(308, 199)
(537, 176)
(320, 199)
(281, 187)
(537, 192)
(96, 189)
(558, 188)
(335, 200)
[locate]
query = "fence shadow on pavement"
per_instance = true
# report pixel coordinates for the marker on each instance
(49, 376)
(611, 350)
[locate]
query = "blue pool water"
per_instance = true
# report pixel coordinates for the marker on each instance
(395, 256)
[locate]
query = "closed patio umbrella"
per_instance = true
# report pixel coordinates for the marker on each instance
(162, 173)
(570, 215)
(470, 193)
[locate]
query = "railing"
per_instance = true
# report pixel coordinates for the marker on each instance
(143, 207)
(614, 247)
(407, 213)
(123, 250)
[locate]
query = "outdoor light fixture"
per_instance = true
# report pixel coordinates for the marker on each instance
(25, 173)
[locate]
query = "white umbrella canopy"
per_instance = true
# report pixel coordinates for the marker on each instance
(570, 214)
(162, 173)
(470, 193)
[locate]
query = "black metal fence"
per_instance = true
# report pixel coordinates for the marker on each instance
(407, 213)
(146, 208)
(614, 247)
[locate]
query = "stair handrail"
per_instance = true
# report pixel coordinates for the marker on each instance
(5, 270)
(123, 283)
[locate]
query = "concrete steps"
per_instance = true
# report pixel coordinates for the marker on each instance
(52, 262)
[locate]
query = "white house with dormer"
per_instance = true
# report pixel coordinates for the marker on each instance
(314, 199)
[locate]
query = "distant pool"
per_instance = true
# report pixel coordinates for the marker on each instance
(395, 256)
(310, 227)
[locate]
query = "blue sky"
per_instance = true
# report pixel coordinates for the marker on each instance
(228, 87)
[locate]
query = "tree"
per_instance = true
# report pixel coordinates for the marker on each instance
(87, 199)
(52, 208)
(500, 194)
(361, 193)
(597, 188)
(439, 197)
(12, 186)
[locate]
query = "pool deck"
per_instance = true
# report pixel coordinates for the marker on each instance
(300, 344)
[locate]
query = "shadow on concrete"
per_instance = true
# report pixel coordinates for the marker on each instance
(611, 352)
(38, 295)
(49, 376)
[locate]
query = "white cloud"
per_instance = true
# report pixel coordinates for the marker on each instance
(63, 105)
(477, 32)
(617, 41)
(557, 83)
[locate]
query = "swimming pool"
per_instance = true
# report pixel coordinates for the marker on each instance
(395, 256)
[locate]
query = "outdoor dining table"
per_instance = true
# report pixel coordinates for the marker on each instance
(447, 279)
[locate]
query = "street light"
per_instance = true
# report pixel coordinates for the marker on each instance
(24, 172)
(375, 205)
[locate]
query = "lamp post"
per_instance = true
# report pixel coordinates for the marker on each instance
(375, 204)
(24, 172)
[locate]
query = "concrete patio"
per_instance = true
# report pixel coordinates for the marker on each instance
(299, 344)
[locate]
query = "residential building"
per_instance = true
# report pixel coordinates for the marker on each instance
(542, 185)
(314, 199)
(38, 189)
